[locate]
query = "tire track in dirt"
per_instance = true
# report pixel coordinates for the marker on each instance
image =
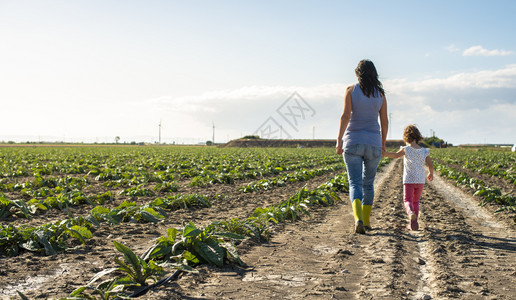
(473, 255)
(461, 250)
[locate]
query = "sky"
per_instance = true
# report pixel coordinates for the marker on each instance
(91, 71)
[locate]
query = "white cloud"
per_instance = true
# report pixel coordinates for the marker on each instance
(472, 107)
(481, 51)
(451, 106)
(452, 48)
(502, 78)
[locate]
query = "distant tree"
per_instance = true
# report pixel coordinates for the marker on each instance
(209, 143)
(433, 141)
(251, 137)
(117, 139)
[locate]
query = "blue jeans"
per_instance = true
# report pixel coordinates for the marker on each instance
(361, 164)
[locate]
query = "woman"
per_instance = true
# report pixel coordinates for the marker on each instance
(363, 139)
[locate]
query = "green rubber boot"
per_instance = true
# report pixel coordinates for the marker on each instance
(357, 212)
(366, 213)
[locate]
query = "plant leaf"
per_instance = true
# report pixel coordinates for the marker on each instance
(131, 258)
(40, 238)
(22, 295)
(233, 253)
(210, 251)
(100, 274)
(83, 232)
(172, 234)
(191, 231)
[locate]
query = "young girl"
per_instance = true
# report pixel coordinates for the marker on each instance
(414, 161)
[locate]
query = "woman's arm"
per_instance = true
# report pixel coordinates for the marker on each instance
(384, 122)
(344, 118)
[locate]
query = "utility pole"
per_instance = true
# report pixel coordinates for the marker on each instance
(213, 136)
(159, 136)
(313, 133)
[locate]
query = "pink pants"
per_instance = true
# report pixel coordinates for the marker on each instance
(412, 193)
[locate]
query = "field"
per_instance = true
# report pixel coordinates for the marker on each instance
(233, 223)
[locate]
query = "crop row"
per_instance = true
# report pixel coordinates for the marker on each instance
(18, 238)
(185, 248)
(180, 249)
(57, 234)
(54, 193)
(494, 163)
(62, 201)
(489, 194)
(167, 162)
(46, 192)
(38, 179)
(301, 175)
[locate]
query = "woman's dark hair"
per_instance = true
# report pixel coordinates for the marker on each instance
(411, 133)
(368, 78)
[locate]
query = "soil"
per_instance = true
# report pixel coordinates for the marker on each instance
(460, 251)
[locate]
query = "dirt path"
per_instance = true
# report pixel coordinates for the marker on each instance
(460, 252)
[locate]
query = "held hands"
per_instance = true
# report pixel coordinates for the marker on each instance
(398, 154)
(388, 154)
(384, 153)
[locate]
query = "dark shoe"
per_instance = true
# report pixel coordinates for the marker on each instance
(359, 227)
(367, 228)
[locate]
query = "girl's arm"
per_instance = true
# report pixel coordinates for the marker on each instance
(430, 165)
(398, 154)
(344, 119)
(384, 122)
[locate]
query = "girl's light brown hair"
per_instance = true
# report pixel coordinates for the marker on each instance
(411, 133)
